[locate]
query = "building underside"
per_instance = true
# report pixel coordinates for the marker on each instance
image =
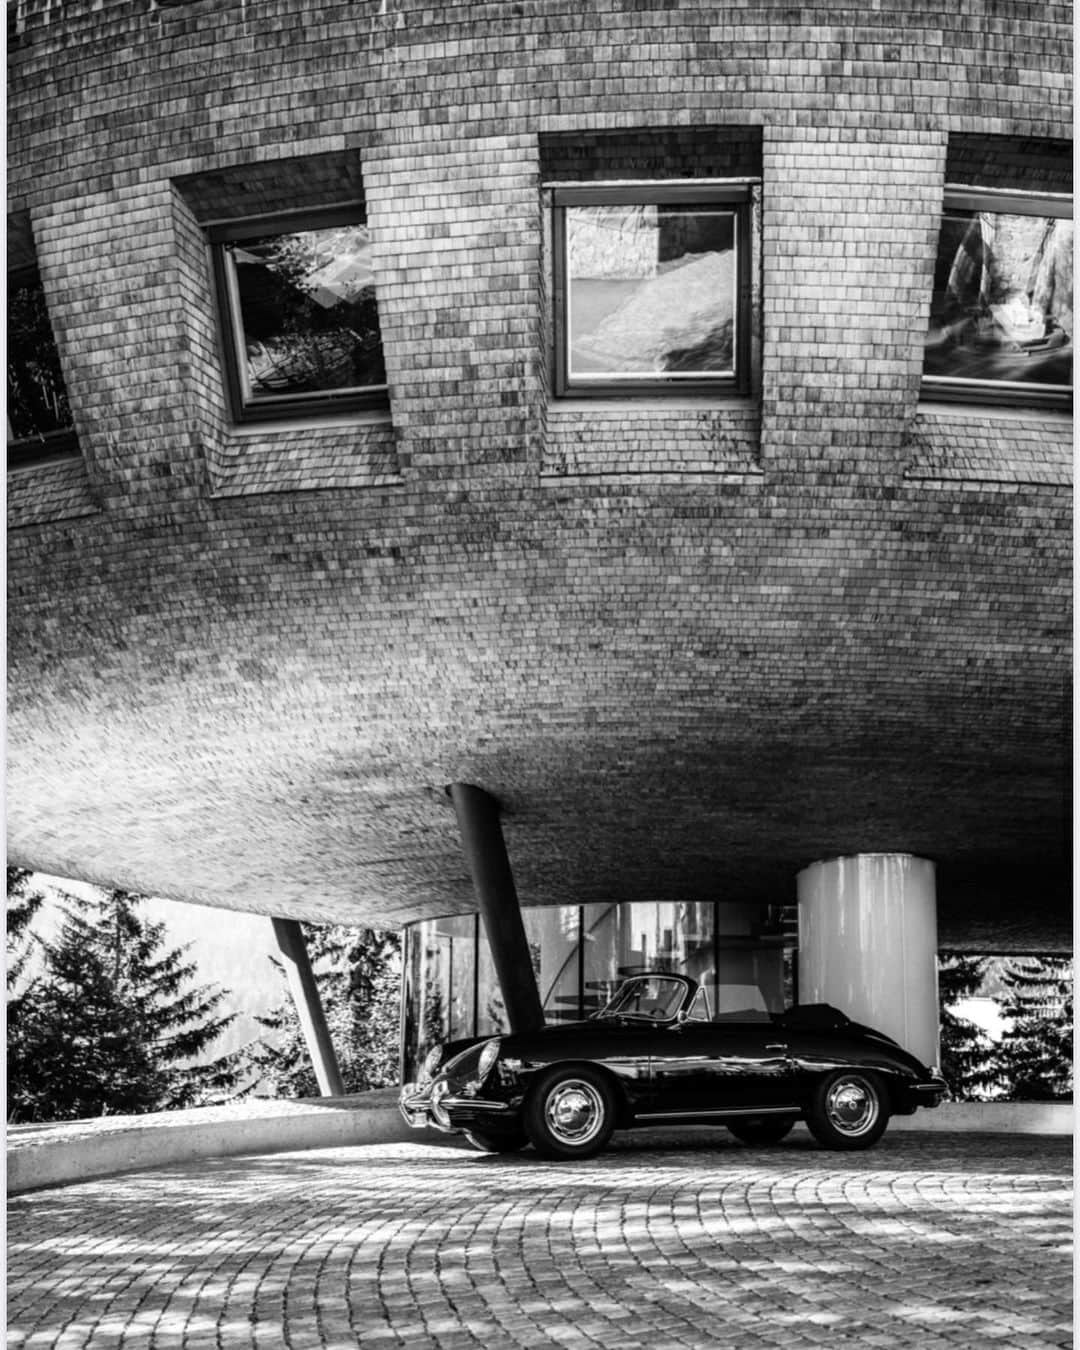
(689, 645)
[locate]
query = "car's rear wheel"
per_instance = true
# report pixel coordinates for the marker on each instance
(850, 1109)
(762, 1130)
(570, 1113)
(497, 1143)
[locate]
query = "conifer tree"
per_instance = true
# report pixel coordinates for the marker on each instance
(82, 1052)
(110, 1022)
(966, 1050)
(1034, 1057)
(23, 904)
(357, 971)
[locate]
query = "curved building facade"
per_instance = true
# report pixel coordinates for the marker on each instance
(657, 414)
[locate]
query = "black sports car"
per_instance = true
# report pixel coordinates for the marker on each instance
(652, 1056)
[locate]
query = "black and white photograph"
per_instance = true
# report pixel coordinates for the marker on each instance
(539, 567)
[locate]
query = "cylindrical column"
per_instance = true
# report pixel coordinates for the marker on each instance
(868, 944)
(493, 881)
(309, 1008)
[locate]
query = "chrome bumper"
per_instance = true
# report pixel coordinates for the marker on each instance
(477, 1104)
(414, 1103)
(415, 1106)
(929, 1094)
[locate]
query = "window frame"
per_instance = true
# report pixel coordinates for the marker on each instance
(704, 193)
(1014, 393)
(244, 408)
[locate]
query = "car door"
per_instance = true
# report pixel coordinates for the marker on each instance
(721, 1067)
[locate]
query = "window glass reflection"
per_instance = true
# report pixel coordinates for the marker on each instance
(651, 291)
(1002, 306)
(750, 980)
(553, 942)
(491, 1018)
(582, 954)
(37, 401)
(307, 312)
(629, 939)
(440, 969)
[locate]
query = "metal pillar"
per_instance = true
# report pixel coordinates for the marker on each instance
(485, 851)
(305, 994)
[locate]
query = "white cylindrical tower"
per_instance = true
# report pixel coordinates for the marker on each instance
(868, 944)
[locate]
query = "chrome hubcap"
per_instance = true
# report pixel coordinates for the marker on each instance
(851, 1106)
(574, 1111)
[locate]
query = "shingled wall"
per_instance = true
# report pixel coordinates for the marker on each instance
(489, 577)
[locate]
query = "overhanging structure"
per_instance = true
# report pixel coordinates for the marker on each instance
(693, 638)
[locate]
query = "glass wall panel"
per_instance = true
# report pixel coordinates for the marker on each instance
(461, 933)
(581, 954)
(440, 975)
(627, 939)
(491, 1018)
(553, 941)
(750, 979)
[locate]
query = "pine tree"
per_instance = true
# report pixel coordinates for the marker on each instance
(82, 1053)
(1034, 1057)
(113, 1019)
(357, 971)
(23, 904)
(966, 1050)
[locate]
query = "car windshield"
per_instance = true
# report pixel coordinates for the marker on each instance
(648, 996)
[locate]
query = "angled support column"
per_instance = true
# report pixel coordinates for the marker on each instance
(493, 881)
(305, 994)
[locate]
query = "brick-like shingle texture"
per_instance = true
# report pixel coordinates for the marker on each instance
(691, 647)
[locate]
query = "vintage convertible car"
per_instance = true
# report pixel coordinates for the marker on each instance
(653, 1056)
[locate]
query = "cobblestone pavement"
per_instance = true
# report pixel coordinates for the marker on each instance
(663, 1241)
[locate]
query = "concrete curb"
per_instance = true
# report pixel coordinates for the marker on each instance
(39, 1156)
(69, 1151)
(991, 1118)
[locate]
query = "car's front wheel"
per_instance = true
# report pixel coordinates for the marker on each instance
(762, 1130)
(497, 1143)
(570, 1113)
(850, 1109)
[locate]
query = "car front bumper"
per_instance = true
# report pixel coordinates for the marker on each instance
(464, 1113)
(479, 1113)
(929, 1093)
(414, 1103)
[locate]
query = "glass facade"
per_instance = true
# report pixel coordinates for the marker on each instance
(581, 953)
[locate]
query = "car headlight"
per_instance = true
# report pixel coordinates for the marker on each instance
(430, 1066)
(488, 1056)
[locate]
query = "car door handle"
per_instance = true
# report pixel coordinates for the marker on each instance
(778, 1046)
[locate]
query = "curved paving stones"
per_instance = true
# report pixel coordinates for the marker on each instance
(926, 1241)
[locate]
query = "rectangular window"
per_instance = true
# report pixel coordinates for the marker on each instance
(652, 288)
(1001, 314)
(39, 417)
(300, 325)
